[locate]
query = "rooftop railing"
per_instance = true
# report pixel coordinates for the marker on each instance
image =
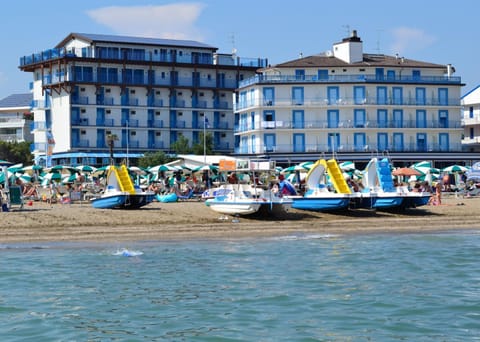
(143, 56)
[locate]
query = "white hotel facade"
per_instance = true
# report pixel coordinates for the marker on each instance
(145, 91)
(471, 121)
(352, 104)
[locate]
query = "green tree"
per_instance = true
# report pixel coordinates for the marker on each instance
(153, 158)
(181, 146)
(16, 152)
(198, 147)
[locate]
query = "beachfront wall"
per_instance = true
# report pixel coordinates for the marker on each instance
(148, 92)
(345, 101)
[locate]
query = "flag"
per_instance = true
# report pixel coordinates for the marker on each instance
(205, 122)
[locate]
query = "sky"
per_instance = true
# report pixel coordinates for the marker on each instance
(441, 31)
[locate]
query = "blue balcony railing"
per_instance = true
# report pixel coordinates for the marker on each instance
(273, 79)
(349, 148)
(347, 124)
(141, 55)
(346, 102)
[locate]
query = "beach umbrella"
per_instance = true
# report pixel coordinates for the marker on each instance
(455, 169)
(85, 168)
(303, 167)
(421, 164)
(473, 174)
(52, 176)
(347, 166)
(62, 168)
(406, 171)
(30, 169)
(100, 170)
(15, 168)
(69, 179)
(25, 178)
(163, 167)
(205, 168)
(5, 163)
(137, 170)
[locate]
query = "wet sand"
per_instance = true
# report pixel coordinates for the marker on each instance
(194, 220)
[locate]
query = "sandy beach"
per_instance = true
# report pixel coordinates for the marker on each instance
(194, 220)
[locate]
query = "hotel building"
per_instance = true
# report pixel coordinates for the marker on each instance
(471, 121)
(351, 104)
(15, 118)
(146, 92)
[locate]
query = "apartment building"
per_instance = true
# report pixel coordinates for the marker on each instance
(352, 104)
(471, 121)
(15, 118)
(145, 92)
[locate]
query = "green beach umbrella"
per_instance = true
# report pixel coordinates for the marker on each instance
(85, 168)
(347, 166)
(163, 167)
(61, 168)
(455, 169)
(212, 168)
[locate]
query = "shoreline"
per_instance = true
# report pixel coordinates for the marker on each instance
(193, 220)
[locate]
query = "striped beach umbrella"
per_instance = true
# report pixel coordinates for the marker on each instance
(455, 169)
(85, 168)
(347, 166)
(163, 167)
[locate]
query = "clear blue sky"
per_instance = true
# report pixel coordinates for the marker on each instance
(439, 31)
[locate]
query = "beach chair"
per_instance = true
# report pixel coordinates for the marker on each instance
(15, 196)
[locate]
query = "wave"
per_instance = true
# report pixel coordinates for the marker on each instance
(127, 253)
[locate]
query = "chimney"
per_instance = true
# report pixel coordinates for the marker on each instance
(350, 49)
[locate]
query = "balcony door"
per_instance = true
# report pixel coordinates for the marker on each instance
(299, 142)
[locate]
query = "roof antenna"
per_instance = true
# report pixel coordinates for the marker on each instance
(347, 27)
(234, 49)
(379, 31)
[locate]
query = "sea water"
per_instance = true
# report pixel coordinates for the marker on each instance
(408, 287)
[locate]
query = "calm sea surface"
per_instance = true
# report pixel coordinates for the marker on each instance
(409, 287)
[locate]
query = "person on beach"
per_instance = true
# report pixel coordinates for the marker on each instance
(53, 193)
(438, 193)
(436, 198)
(232, 178)
(285, 187)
